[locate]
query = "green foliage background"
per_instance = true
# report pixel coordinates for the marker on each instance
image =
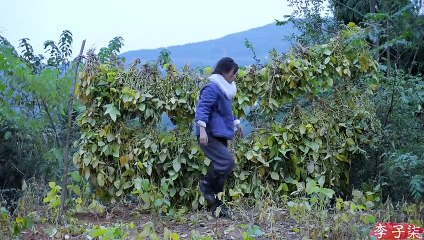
(121, 149)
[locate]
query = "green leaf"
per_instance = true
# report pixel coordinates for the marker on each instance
(194, 150)
(339, 70)
(97, 232)
(311, 186)
(93, 148)
(145, 185)
(311, 167)
(371, 219)
(177, 165)
(350, 141)
(275, 176)
(76, 176)
(51, 232)
(327, 52)
(142, 107)
(127, 98)
(119, 193)
(110, 137)
(321, 181)
(55, 203)
(87, 161)
(351, 24)
(112, 111)
(162, 156)
(327, 192)
(249, 155)
(147, 143)
(302, 129)
(137, 183)
(314, 146)
(158, 202)
(2, 87)
(178, 91)
(7, 135)
(327, 60)
(52, 185)
(273, 101)
(76, 189)
(154, 147)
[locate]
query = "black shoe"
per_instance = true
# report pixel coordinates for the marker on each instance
(209, 197)
(222, 210)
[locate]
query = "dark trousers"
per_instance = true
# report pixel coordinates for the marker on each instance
(222, 164)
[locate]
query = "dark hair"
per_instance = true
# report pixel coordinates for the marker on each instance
(225, 65)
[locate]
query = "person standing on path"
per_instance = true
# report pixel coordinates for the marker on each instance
(216, 124)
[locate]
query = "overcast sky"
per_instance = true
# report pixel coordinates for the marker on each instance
(142, 24)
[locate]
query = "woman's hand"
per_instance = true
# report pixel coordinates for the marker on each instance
(203, 139)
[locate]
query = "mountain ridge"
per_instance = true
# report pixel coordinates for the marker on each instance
(206, 53)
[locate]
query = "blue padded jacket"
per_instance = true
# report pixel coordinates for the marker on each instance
(214, 109)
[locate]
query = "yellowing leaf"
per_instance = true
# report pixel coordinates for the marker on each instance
(293, 84)
(350, 141)
(342, 158)
(102, 133)
(175, 236)
(347, 72)
(100, 180)
(87, 173)
(110, 137)
(363, 61)
(123, 160)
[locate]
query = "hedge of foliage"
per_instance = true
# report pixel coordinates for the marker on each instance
(330, 120)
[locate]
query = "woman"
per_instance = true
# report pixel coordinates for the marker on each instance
(216, 125)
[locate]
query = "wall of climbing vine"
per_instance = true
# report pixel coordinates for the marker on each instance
(311, 104)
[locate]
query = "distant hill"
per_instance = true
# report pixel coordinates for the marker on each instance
(206, 53)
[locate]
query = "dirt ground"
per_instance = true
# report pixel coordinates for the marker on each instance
(201, 221)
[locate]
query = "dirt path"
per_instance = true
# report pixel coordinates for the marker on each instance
(202, 223)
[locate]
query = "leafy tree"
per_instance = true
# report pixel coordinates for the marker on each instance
(33, 93)
(110, 53)
(396, 30)
(312, 19)
(356, 11)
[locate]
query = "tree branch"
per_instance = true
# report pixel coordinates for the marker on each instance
(43, 103)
